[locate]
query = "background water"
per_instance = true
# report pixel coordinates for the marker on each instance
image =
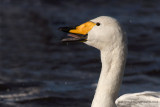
(37, 70)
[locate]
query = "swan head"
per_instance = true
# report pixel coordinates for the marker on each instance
(100, 32)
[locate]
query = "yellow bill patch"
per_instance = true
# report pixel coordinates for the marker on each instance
(83, 28)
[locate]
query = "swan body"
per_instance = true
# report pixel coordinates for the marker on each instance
(142, 99)
(105, 34)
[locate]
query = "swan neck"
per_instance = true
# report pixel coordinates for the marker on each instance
(113, 63)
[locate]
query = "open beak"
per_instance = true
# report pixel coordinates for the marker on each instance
(78, 33)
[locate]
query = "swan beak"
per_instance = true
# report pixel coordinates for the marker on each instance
(78, 33)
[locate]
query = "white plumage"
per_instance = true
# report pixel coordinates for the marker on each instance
(110, 40)
(142, 99)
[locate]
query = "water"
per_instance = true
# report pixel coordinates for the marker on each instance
(37, 70)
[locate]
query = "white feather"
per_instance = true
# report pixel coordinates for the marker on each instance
(142, 99)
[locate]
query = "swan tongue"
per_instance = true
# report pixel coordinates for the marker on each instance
(74, 38)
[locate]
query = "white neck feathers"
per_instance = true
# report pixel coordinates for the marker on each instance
(113, 63)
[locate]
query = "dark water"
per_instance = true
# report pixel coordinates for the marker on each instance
(37, 70)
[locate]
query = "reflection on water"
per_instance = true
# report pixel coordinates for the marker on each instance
(37, 70)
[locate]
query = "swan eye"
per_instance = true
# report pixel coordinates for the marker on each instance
(98, 24)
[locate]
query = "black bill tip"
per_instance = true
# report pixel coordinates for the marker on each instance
(73, 37)
(66, 29)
